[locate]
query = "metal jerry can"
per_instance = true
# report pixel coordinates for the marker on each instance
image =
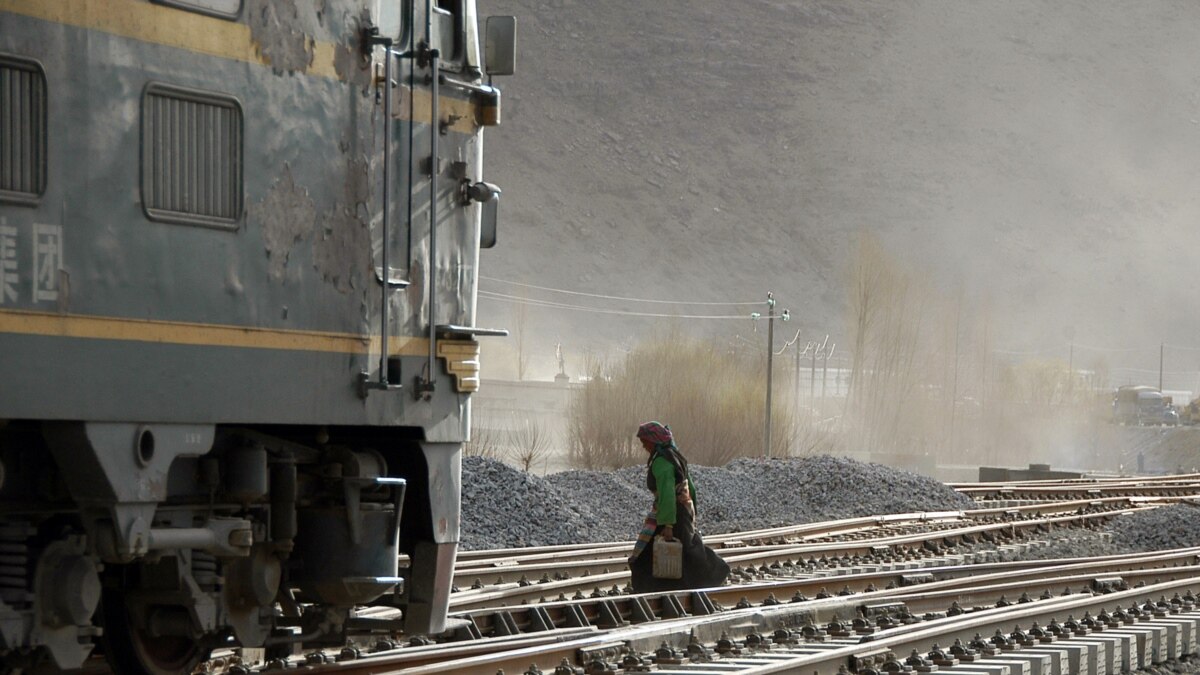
(668, 558)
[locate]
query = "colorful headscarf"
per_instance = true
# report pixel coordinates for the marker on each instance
(664, 446)
(658, 434)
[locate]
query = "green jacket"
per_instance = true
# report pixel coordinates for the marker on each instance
(664, 480)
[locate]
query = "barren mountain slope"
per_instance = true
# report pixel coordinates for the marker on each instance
(1041, 152)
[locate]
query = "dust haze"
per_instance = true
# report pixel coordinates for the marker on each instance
(1037, 158)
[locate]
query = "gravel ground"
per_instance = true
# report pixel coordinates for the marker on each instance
(504, 507)
(1188, 664)
(1164, 528)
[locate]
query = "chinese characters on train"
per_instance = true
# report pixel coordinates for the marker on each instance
(46, 259)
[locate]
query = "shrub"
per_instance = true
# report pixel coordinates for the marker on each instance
(712, 400)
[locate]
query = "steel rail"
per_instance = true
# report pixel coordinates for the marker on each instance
(904, 639)
(957, 584)
(851, 648)
(877, 549)
(491, 567)
(602, 560)
(817, 529)
(1062, 491)
(934, 598)
(1018, 577)
(1094, 480)
(943, 582)
(811, 530)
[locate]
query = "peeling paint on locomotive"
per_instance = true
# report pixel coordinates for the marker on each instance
(341, 245)
(274, 27)
(285, 216)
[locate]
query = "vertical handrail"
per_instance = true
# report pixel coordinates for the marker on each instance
(365, 382)
(434, 132)
(412, 132)
(387, 207)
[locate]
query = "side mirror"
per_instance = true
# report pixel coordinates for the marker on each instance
(500, 46)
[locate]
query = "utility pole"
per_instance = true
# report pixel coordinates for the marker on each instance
(1161, 347)
(796, 383)
(786, 316)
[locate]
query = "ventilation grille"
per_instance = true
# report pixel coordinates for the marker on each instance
(22, 130)
(192, 156)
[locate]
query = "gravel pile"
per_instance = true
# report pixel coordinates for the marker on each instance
(1167, 527)
(504, 507)
(757, 493)
(1164, 528)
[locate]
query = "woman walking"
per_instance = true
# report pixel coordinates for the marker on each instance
(673, 517)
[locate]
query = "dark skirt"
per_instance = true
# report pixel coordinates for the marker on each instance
(702, 567)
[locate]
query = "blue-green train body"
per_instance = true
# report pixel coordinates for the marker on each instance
(227, 408)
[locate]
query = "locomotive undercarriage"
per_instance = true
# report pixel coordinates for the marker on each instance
(160, 543)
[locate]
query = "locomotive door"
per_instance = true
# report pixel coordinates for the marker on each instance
(398, 76)
(434, 107)
(417, 198)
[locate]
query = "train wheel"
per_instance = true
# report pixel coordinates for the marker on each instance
(131, 649)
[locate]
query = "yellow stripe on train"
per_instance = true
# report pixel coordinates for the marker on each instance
(201, 334)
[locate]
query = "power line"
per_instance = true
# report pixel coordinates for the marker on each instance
(1078, 345)
(1109, 349)
(1038, 352)
(501, 297)
(1191, 349)
(1153, 371)
(616, 297)
(580, 308)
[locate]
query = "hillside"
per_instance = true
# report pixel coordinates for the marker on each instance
(1038, 154)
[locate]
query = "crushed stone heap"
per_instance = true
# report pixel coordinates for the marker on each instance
(1161, 529)
(504, 507)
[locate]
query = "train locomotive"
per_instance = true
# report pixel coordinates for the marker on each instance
(239, 252)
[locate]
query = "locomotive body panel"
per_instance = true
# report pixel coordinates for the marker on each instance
(301, 257)
(193, 317)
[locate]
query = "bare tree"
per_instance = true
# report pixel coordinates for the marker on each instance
(712, 399)
(530, 441)
(866, 284)
(886, 310)
(600, 417)
(486, 440)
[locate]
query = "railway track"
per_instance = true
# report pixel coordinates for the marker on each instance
(1013, 493)
(859, 593)
(874, 630)
(892, 544)
(490, 566)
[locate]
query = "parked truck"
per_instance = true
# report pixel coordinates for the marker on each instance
(1143, 405)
